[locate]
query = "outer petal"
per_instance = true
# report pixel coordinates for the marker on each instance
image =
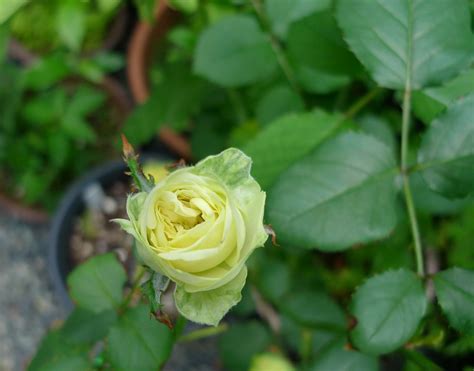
(208, 307)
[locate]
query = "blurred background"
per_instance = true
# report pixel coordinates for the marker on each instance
(182, 79)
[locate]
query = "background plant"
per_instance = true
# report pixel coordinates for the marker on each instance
(54, 115)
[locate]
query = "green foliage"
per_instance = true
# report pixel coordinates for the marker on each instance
(241, 342)
(97, 284)
(139, 342)
(56, 354)
(282, 13)
(51, 128)
(314, 309)
(340, 183)
(43, 26)
(429, 103)
(447, 151)
(315, 44)
(381, 305)
(401, 46)
(286, 140)
(341, 359)
(455, 292)
(234, 52)
(87, 327)
(173, 101)
(276, 102)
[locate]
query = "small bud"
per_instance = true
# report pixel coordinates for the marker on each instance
(127, 148)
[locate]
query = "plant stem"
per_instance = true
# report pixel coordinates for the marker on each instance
(277, 48)
(136, 284)
(203, 333)
(406, 181)
(362, 102)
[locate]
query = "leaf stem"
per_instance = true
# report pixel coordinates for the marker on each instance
(406, 181)
(136, 284)
(277, 48)
(203, 333)
(362, 102)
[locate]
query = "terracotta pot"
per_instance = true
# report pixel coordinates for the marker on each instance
(19, 52)
(139, 57)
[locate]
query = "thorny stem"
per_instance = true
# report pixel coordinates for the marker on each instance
(277, 48)
(203, 333)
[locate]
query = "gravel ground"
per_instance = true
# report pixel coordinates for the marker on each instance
(28, 305)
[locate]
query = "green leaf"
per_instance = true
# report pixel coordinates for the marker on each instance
(234, 52)
(138, 342)
(44, 108)
(446, 155)
(319, 82)
(97, 284)
(187, 6)
(153, 288)
(241, 342)
(84, 326)
(455, 292)
(86, 100)
(70, 24)
(209, 307)
(379, 128)
(146, 9)
(56, 353)
(430, 102)
(431, 202)
(172, 102)
(417, 361)
(47, 71)
(388, 309)
(341, 183)
(4, 33)
(400, 44)
(276, 102)
(77, 128)
(316, 43)
(274, 279)
(9, 7)
(282, 13)
(286, 140)
(314, 309)
(344, 360)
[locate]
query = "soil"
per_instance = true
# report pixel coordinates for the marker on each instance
(94, 233)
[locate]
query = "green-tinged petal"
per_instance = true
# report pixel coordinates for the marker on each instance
(209, 307)
(126, 225)
(135, 205)
(231, 166)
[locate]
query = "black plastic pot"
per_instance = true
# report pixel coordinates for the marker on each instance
(72, 205)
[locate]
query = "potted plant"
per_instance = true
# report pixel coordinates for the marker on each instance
(359, 129)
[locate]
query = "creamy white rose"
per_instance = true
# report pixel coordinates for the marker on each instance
(198, 226)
